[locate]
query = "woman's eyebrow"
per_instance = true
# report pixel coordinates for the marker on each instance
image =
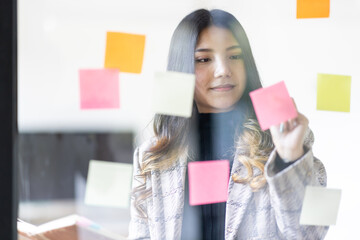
(204, 50)
(233, 47)
(211, 50)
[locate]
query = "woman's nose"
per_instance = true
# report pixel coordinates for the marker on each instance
(222, 69)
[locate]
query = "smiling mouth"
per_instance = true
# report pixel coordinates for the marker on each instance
(223, 88)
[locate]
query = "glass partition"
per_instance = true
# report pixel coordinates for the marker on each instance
(80, 104)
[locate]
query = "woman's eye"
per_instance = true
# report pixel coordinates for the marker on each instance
(203, 60)
(236, 57)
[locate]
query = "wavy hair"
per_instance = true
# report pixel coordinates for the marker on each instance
(173, 134)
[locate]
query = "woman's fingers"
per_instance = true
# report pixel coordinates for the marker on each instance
(291, 124)
(302, 120)
(282, 127)
(287, 126)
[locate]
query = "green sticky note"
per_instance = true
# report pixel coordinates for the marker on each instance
(333, 92)
(320, 206)
(108, 184)
(173, 93)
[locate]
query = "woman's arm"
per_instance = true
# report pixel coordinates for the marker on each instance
(287, 183)
(287, 189)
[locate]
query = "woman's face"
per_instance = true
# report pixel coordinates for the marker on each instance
(219, 70)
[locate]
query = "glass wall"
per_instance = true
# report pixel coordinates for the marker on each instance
(78, 106)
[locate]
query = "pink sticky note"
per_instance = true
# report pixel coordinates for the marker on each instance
(208, 181)
(273, 105)
(99, 88)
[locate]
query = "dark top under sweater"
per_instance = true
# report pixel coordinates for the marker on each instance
(216, 133)
(216, 141)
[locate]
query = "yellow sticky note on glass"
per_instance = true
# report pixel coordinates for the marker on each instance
(124, 51)
(320, 206)
(173, 93)
(313, 9)
(108, 184)
(333, 92)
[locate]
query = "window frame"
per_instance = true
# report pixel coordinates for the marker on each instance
(8, 119)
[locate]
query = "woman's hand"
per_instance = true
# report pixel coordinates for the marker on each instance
(289, 136)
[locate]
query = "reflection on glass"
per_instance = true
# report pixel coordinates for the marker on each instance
(53, 169)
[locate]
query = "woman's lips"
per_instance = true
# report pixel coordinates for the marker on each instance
(223, 88)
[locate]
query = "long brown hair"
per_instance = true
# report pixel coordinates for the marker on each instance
(173, 134)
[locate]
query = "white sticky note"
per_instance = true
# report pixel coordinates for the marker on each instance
(108, 184)
(320, 206)
(173, 93)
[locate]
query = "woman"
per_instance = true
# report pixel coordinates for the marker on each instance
(269, 169)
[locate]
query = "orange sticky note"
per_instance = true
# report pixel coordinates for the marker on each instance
(313, 8)
(208, 181)
(124, 51)
(99, 88)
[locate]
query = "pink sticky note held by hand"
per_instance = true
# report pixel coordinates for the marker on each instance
(99, 88)
(208, 182)
(273, 105)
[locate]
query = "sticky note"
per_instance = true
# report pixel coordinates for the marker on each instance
(313, 8)
(108, 184)
(333, 92)
(124, 51)
(273, 105)
(99, 88)
(173, 93)
(320, 206)
(208, 181)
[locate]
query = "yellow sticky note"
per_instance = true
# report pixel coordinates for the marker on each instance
(313, 8)
(108, 184)
(173, 93)
(333, 92)
(124, 51)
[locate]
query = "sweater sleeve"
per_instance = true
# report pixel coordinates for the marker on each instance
(287, 189)
(138, 227)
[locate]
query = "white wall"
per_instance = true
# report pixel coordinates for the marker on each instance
(58, 37)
